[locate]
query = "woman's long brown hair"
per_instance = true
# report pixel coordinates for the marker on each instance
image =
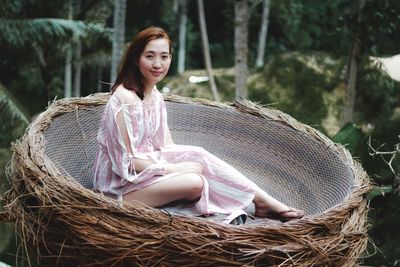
(129, 74)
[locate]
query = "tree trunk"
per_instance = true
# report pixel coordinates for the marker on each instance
(241, 48)
(262, 36)
(182, 36)
(77, 58)
(68, 59)
(118, 36)
(206, 49)
(68, 73)
(99, 75)
(46, 78)
(78, 69)
(352, 69)
(350, 84)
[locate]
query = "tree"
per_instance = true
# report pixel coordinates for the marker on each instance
(78, 69)
(34, 43)
(182, 35)
(352, 69)
(78, 59)
(68, 58)
(241, 48)
(262, 37)
(118, 37)
(206, 49)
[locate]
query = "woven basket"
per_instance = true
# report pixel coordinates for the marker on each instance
(56, 212)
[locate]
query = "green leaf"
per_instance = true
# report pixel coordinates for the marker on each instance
(16, 32)
(350, 136)
(380, 191)
(13, 119)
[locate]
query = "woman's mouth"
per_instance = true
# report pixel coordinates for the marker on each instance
(157, 73)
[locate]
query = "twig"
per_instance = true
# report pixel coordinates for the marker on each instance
(393, 154)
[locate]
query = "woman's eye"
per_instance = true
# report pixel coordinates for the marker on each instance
(149, 56)
(165, 57)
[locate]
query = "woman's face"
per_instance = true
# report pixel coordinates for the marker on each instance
(154, 61)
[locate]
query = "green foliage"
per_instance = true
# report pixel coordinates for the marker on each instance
(381, 21)
(378, 105)
(296, 84)
(329, 26)
(308, 26)
(9, 242)
(384, 216)
(35, 44)
(16, 32)
(5, 229)
(380, 191)
(350, 136)
(142, 14)
(226, 86)
(378, 95)
(13, 120)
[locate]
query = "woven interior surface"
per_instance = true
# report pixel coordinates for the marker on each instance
(289, 164)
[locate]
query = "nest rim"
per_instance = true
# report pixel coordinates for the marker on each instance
(44, 177)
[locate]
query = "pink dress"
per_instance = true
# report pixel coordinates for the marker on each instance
(225, 189)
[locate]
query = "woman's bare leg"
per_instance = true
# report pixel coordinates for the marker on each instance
(267, 206)
(187, 186)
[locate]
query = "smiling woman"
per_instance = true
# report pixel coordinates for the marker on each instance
(137, 159)
(147, 60)
(154, 62)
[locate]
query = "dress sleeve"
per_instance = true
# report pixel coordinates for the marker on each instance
(167, 134)
(127, 121)
(162, 138)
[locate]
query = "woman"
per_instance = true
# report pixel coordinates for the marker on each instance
(137, 159)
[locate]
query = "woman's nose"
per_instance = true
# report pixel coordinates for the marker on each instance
(157, 64)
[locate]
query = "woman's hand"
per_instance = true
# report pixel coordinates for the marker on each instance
(186, 166)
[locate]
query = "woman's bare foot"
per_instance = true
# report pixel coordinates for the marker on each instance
(269, 207)
(284, 215)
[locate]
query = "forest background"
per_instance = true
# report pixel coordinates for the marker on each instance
(322, 62)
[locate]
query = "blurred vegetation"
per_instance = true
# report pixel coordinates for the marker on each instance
(8, 245)
(305, 67)
(14, 118)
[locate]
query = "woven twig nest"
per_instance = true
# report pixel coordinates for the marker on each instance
(56, 212)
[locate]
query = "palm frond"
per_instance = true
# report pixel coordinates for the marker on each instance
(13, 120)
(17, 32)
